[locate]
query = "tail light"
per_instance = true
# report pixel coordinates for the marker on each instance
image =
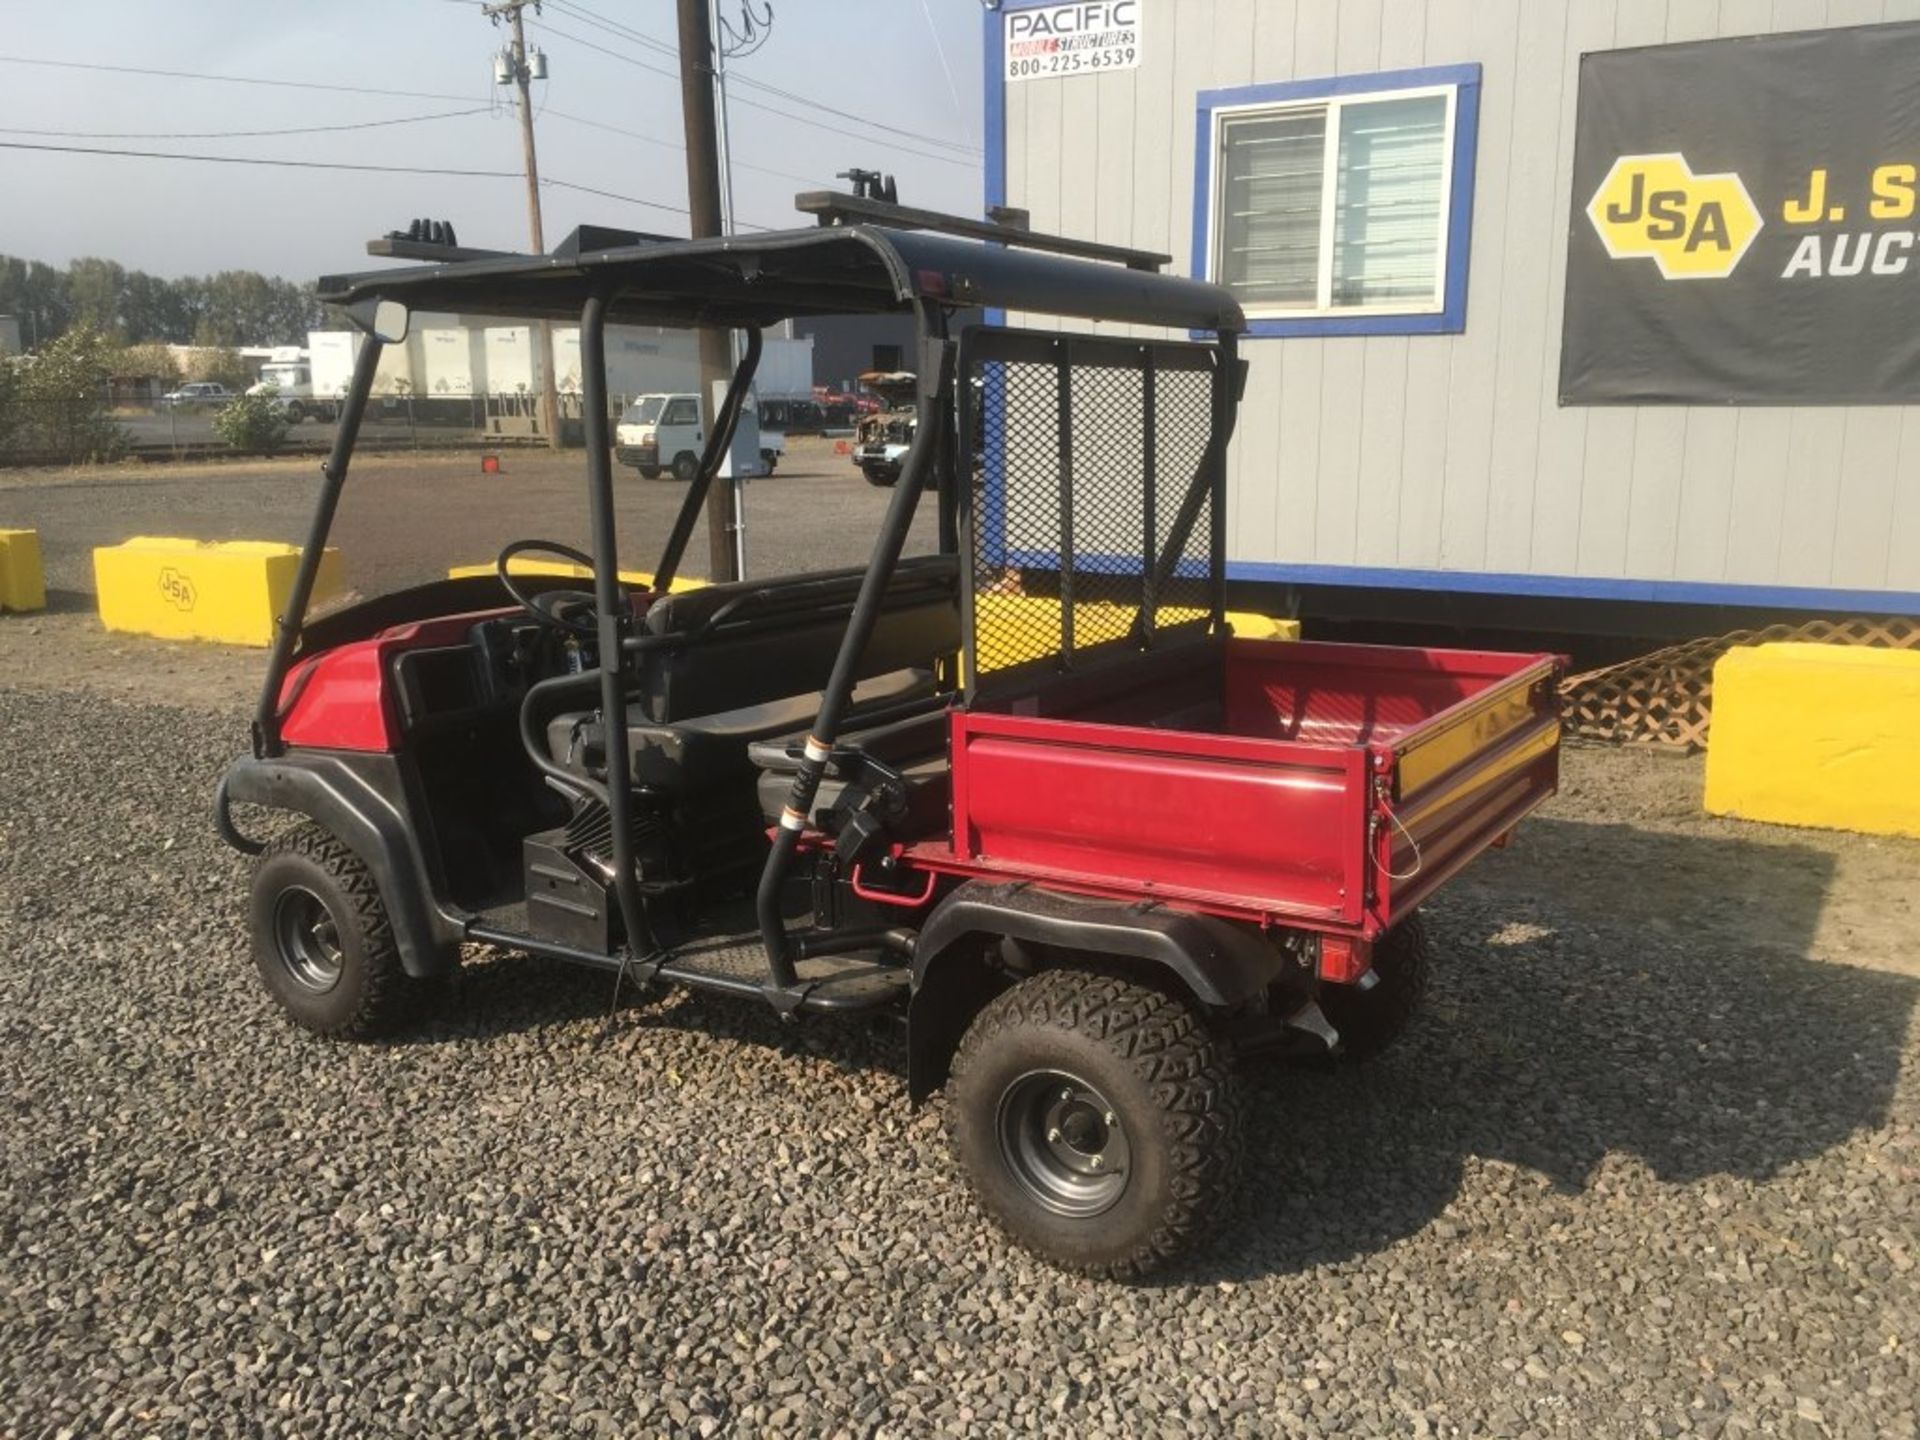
(1343, 959)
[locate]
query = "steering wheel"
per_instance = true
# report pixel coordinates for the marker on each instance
(574, 611)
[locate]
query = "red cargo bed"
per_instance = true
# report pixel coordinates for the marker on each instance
(1324, 786)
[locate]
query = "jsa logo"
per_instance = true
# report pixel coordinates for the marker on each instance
(177, 589)
(1694, 227)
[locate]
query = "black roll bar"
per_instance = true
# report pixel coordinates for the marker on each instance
(718, 444)
(614, 617)
(935, 384)
(333, 471)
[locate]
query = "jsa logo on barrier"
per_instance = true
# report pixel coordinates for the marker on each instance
(177, 589)
(1694, 227)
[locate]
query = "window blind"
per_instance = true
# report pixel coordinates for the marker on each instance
(1388, 203)
(1389, 207)
(1273, 168)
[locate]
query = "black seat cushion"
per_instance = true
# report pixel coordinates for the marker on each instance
(685, 756)
(914, 746)
(751, 642)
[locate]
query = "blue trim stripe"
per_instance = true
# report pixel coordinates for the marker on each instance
(1585, 587)
(1452, 317)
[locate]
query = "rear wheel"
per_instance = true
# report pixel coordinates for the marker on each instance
(878, 476)
(649, 472)
(296, 412)
(322, 941)
(686, 465)
(1371, 1020)
(1094, 1117)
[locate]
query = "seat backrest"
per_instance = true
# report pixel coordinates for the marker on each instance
(750, 642)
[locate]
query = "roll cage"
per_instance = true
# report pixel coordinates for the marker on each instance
(870, 258)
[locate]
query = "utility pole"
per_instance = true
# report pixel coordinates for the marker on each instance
(520, 73)
(697, 61)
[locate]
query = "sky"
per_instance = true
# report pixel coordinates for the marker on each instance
(912, 65)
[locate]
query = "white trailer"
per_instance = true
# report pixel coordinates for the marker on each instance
(449, 360)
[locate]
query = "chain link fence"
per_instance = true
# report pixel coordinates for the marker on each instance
(88, 430)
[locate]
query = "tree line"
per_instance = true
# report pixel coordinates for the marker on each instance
(131, 307)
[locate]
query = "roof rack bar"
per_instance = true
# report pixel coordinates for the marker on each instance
(832, 208)
(398, 247)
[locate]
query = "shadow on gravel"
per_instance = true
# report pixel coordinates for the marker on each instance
(69, 602)
(1601, 989)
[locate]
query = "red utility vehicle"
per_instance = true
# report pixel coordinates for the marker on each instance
(1028, 793)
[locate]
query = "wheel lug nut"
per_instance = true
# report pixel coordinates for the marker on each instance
(1094, 1161)
(1053, 1135)
(1110, 1118)
(1066, 1094)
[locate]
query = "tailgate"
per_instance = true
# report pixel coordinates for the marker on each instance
(1458, 782)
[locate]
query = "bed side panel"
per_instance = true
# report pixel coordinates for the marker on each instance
(1261, 825)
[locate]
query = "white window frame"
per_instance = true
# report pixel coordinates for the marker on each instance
(1323, 306)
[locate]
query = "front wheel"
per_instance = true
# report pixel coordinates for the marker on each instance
(296, 412)
(1095, 1119)
(649, 472)
(322, 941)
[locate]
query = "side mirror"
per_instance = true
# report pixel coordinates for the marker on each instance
(385, 320)
(390, 320)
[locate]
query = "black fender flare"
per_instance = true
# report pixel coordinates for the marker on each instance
(1219, 963)
(362, 811)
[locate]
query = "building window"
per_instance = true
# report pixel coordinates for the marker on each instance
(1340, 206)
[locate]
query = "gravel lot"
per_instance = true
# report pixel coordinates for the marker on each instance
(1647, 1165)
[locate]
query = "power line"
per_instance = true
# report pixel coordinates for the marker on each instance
(761, 85)
(601, 22)
(949, 159)
(678, 148)
(230, 79)
(345, 165)
(256, 160)
(614, 27)
(551, 28)
(237, 134)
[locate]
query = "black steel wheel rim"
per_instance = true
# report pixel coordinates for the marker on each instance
(1063, 1143)
(307, 940)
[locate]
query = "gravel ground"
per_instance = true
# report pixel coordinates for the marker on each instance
(1646, 1167)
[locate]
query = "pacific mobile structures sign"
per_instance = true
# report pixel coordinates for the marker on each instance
(1086, 38)
(1785, 170)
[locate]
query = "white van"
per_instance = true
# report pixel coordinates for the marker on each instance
(659, 433)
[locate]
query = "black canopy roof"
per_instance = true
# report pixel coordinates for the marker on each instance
(754, 281)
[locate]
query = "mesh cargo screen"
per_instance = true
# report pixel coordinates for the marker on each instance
(1085, 457)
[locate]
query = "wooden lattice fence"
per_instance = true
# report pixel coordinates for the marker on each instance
(1665, 698)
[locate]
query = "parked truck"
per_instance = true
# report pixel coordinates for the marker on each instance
(288, 379)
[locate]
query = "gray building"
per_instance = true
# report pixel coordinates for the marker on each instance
(1390, 186)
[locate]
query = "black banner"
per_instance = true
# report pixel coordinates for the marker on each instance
(1744, 223)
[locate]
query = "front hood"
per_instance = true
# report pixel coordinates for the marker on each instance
(894, 387)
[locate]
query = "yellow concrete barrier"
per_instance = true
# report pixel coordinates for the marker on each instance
(22, 585)
(520, 565)
(1824, 735)
(200, 590)
(1015, 628)
(1249, 626)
